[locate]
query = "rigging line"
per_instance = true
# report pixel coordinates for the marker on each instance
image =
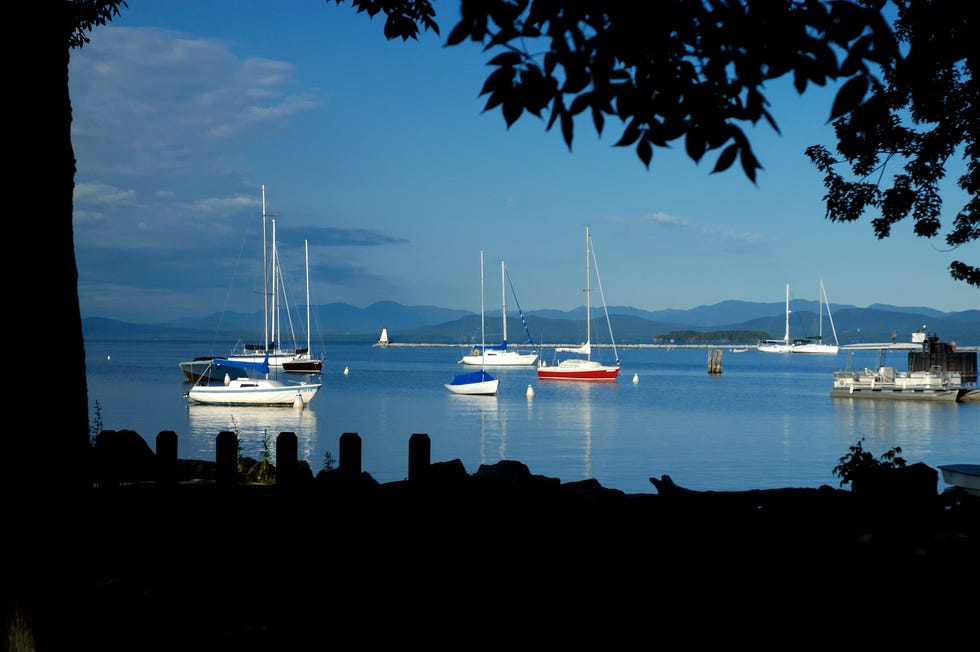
(521, 312)
(602, 295)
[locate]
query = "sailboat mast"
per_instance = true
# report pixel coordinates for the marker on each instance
(306, 247)
(786, 336)
(503, 300)
(830, 317)
(275, 289)
(483, 337)
(820, 313)
(265, 277)
(588, 297)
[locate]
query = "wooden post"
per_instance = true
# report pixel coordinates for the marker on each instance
(166, 459)
(227, 459)
(286, 461)
(419, 452)
(350, 456)
(714, 362)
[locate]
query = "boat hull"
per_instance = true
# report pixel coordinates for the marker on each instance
(497, 358)
(816, 349)
(483, 388)
(474, 383)
(889, 384)
(898, 394)
(246, 391)
(303, 365)
(775, 347)
(965, 476)
(204, 369)
(578, 370)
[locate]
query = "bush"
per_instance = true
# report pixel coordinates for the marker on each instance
(859, 466)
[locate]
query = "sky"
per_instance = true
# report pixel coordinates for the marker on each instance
(380, 156)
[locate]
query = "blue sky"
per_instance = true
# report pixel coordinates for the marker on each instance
(380, 156)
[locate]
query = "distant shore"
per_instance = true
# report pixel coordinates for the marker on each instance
(729, 345)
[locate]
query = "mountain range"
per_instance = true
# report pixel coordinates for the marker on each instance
(730, 321)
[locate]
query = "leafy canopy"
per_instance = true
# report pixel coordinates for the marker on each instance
(697, 70)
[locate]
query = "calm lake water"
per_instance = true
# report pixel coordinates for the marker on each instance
(766, 421)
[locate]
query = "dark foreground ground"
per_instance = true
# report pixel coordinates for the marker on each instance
(500, 558)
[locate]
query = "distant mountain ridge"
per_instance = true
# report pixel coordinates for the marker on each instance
(732, 320)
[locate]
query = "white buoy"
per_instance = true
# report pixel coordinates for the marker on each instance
(346, 371)
(530, 392)
(227, 379)
(298, 401)
(108, 357)
(636, 378)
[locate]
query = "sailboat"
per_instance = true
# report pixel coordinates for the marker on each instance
(304, 362)
(499, 355)
(584, 368)
(383, 339)
(201, 367)
(476, 382)
(779, 346)
(256, 388)
(816, 344)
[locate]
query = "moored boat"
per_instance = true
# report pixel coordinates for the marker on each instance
(499, 355)
(247, 390)
(779, 346)
(936, 372)
(478, 383)
(965, 476)
(201, 367)
(890, 383)
(584, 368)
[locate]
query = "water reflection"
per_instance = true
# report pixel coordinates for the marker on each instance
(896, 423)
(579, 403)
(485, 411)
(253, 424)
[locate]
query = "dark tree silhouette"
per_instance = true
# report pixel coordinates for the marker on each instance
(696, 70)
(51, 442)
(923, 114)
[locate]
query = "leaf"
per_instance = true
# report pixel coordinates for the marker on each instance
(567, 127)
(694, 144)
(849, 96)
(512, 111)
(726, 158)
(506, 59)
(645, 151)
(749, 163)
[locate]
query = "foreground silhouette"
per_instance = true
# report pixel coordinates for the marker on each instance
(197, 560)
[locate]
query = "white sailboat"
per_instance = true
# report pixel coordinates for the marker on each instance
(201, 366)
(256, 352)
(476, 382)
(584, 368)
(779, 346)
(255, 387)
(499, 355)
(816, 345)
(252, 389)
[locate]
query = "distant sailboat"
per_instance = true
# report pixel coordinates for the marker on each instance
(584, 368)
(383, 340)
(816, 344)
(783, 345)
(476, 382)
(499, 355)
